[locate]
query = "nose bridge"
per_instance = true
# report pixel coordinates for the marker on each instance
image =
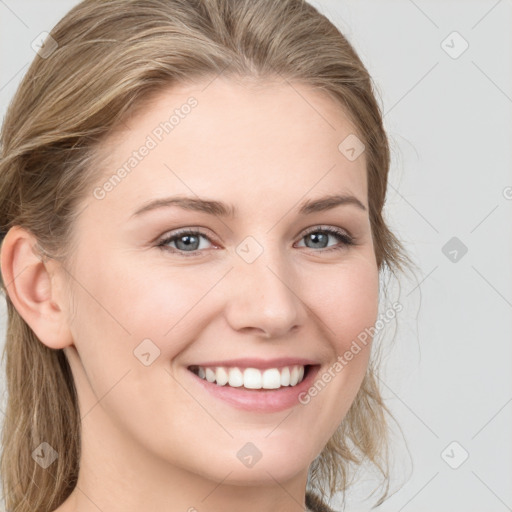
(261, 288)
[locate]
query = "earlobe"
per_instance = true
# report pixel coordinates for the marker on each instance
(34, 289)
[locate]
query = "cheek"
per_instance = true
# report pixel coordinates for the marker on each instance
(344, 304)
(123, 303)
(130, 322)
(346, 299)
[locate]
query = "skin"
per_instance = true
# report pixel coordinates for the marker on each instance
(152, 438)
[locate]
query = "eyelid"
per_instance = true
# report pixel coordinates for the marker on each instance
(326, 227)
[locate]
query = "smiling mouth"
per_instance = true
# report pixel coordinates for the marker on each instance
(252, 378)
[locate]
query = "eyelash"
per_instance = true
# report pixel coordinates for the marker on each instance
(346, 240)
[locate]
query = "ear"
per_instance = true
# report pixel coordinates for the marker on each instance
(35, 288)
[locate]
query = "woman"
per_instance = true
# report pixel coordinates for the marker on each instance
(191, 195)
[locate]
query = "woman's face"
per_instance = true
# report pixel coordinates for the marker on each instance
(266, 290)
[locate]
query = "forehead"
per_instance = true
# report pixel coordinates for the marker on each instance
(227, 139)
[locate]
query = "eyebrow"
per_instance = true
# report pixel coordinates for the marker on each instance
(220, 209)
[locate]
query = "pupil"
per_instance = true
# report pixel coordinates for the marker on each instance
(317, 237)
(188, 239)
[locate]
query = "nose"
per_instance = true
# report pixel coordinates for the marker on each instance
(264, 296)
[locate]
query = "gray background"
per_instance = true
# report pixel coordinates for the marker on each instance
(447, 375)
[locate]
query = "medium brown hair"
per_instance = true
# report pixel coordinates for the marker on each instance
(110, 57)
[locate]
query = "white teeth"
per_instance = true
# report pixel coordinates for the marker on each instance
(285, 376)
(221, 376)
(236, 378)
(294, 376)
(210, 374)
(271, 379)
(253, 378)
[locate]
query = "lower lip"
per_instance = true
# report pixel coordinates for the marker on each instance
(260, 400)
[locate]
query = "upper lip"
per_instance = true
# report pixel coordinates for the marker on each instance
(247, 362)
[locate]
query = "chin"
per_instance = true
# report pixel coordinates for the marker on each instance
(261, 474)
(263, 461)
